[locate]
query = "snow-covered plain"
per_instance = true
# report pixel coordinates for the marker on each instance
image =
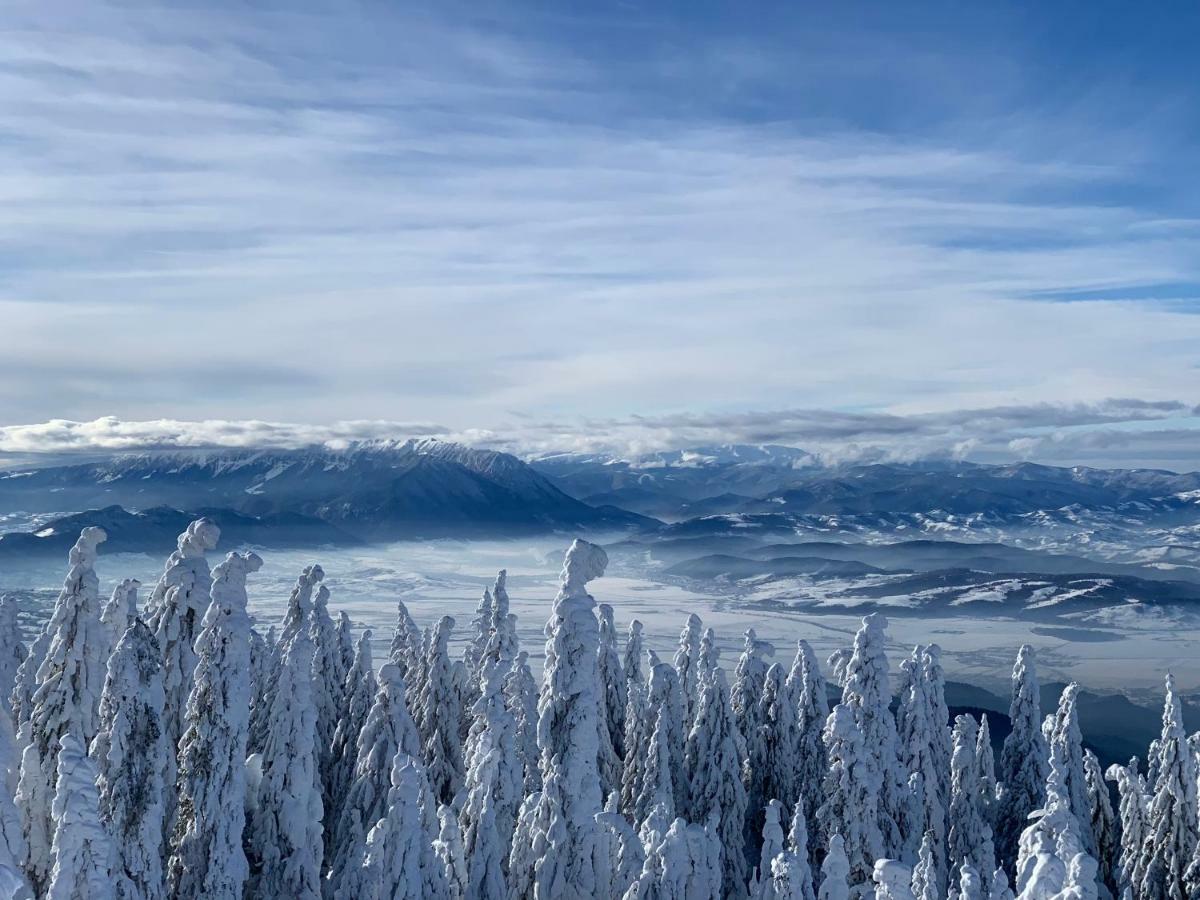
(1126, 650)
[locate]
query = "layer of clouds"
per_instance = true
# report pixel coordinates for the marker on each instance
(310, 214)
(1114, 432)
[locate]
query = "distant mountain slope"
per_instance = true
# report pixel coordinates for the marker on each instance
(377, 490)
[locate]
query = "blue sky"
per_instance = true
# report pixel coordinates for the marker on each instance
(606, 224)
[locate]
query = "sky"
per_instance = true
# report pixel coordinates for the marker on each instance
(869, 229)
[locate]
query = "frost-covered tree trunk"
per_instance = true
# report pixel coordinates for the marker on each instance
(174, 612)
(82, 851)
(1132, 809)
(359, 690)
(1024, 758)
(12, 648)
(687, 666)
(614, 698)
(438, 714)
(128, 752)
(1171, 828)
(207, 859)
(970, 838)
(285, 831)
(389, 730)
(66, 700)
(562, 819)
(713, 760)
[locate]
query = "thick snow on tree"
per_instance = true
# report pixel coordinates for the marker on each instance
(615, 695)
(128, 752)
(713, 759)
(924, 753)
(1066, 732)
(1000, 888)
(635, 650)
(359, 691)
(520, 696)
(12, 648)
(119, 612)
(687, 666)
(285, 831)
(67, 698)
(626, 854)
(892, 880)
(13, 883)
(792, 877)
(853, 784)
(207, 859)
(928, 872)
(438, 715)
(835, 872)
(1104, 825)
(494, 786)
(1171, 828)
(1132, 809)
(26, 681)
(388, 730)
(985, 762)
(346, 644)
(682, 863)
(970, 885)
(771, 845)
(405, 649)
(1024, 758)
(970, 838)
(328, 680)
(264, 659)
(775, 754)
(563, 820)
(662, 708)
(749, 678)
(477, 640)
(806, 684)
(1051, 857)
(82, 851)
(449, 850)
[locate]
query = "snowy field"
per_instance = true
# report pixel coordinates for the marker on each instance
(1119, 651)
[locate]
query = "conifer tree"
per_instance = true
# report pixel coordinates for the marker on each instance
(12, 649)
(119, 612)
(1024, 758)
(438, 715)
(1171, 829)
(687, 666)
(128, 752)
(359, 689)
(207, 858)
(614, 698)
(806, 684)
(1132, 810)
(520, 697)
(970, 838)
(82, 850)
(835, 872)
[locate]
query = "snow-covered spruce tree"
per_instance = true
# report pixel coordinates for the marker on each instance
(264, 658)
(399, 852)
(625, 852)
(1104, 824)
(405, 649)
(67, 697)
(892, 880)
(207, 859)
(835, 872)
(359, 691)
(285, 830)
(438, 716)
(13, 883)
(681, 864)
(970, 885)
(970, 839)
(1066, 732)
(449, 850)
(927, 871)
(853, 785)
(119, 612)
(520, 696)
(82, 850)
(631, 663)
(806, 684)
(923, 740)
(713, 765)
(1132, 806)
(128, 752)
(329, 679)
(1024, 758)
(749, 678)
(792, 877)
(771, 761)
(771, 845)
(867, 694)
(12, 648)
(173, 612)
(1000, 889)
(388, 730)
(663, 701)
(1051, 856)
(494, 786)
(346, 643)
(687, 666)
(613, 700)
(985, 762)
(481, 629)
(561, 820)
(1171, 829)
